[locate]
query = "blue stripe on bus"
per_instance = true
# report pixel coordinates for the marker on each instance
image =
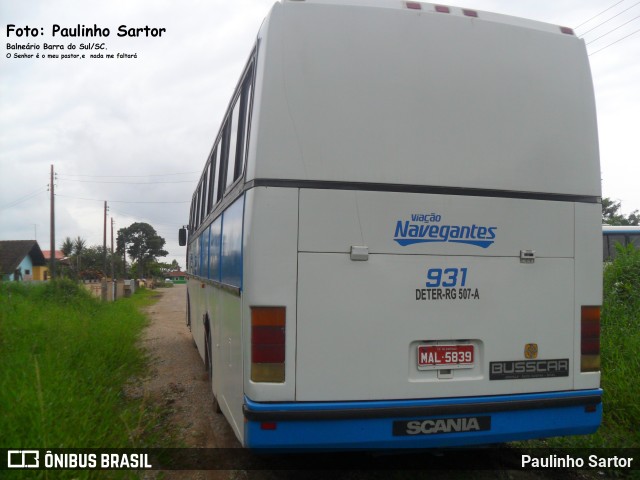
(215, 244)
(217, 253)
(231, 253)
(377, 433)
(622, 231)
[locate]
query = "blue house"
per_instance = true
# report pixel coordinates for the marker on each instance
(21, 260)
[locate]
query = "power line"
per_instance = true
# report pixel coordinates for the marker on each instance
(613, 43)
(134, 176)
(127, 214)
(616, 15)
(611, 31)
(24, 198)
(124, 214)
(125, 183)
(115, 201)
(605, 10)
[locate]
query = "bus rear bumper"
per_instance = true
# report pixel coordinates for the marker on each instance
(406, 424)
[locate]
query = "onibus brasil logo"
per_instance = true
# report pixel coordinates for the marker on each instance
(427, 228)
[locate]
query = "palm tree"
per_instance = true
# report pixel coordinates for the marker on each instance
(79, 245)
(67, 247)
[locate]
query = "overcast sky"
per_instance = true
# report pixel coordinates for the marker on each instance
(136, 132)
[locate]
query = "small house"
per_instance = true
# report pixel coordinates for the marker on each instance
(21, 260)
(177, 277)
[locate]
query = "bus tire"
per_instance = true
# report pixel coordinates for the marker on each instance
(188, 319)
(209, 360)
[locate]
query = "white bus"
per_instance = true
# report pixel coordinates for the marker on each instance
(622, 234)
(395, 239)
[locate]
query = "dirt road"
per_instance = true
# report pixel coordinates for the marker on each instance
(179, 378)
(178, 383)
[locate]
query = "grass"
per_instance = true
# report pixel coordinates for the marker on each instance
(65, 360)
(619, 347)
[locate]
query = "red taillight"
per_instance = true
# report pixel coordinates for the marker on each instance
(470, 13)
(268, 344)
(442, 9)
(263, 336)
(567, 30)
(414, 5)
(590, 339)
(267, 353)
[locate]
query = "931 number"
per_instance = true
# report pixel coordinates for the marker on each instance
(448, 277)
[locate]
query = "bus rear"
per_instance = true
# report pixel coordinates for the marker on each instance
(421, 256)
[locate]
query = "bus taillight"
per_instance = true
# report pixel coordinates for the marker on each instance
(590, 339)
(268, 344)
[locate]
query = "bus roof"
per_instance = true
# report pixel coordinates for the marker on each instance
(382, 92)
(618, 229)
(448, 9)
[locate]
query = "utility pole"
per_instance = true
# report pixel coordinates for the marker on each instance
(124, 259)
(52, 260)
(113, 270)
(104, 242)
(104, 255)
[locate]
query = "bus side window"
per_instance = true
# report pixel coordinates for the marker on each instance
(205, 193)
(212, 175)
(613, 240)
(192, 214)
(233, 144)
(216, 184)
(200, 195)
(194, 225)
(224, 160)
(243, 130)
(198, 204)
(634, 239)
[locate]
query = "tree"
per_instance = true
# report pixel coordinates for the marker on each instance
(611, 215)
(67, 247)
(79, 245)
(93, 265)
(159, 269)
(66, 268)
(141, 241)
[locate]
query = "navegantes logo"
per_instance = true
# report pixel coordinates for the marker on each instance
(425, 228)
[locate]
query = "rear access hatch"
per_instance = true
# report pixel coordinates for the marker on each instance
(438, 300)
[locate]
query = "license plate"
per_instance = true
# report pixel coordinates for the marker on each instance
(445, 356)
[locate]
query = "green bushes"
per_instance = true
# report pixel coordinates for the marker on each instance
(620, 344)
(65, 358)
(622, 282)
(620, 361)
